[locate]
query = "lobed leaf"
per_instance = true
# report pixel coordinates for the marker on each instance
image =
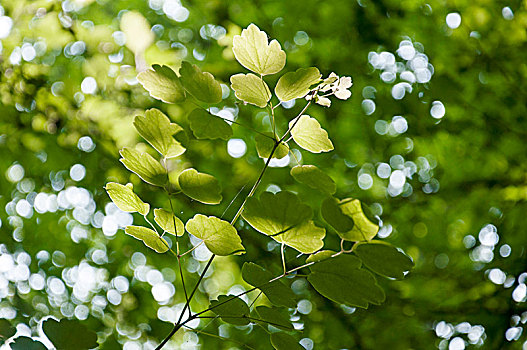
(207, 126)
(156, 128)
(144, 165)
(251, 89)
(234, 311)
(125, 198)
(149, 237)
(363, 229)
(219, 236)
(26, 343)
(201, 85)
(162, 83)
(253, 51)
(265, 145)
(277, 292)
(309, 135)
(297, 84)
(199, 186)
(383, 258)
(166, 219)
(69, 334)
(314, 178)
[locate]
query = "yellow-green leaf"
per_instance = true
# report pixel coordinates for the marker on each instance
(297, 84)
(201, 85)
(144, 165)
(219, 236)
(253, 51)
(199, 186)
(149, 237)
(251, 89)
(308, 134)
(162, 83)
(363, 229)
(207, 126)
(125, 198)
(156, 128)
(265, 145)
(166, 219)
(314, 178)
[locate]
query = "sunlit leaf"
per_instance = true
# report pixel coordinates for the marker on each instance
(332, 213)
(383, 258)
(69, 334)
(277, 292)
(201, 85)
(314, 178)
(297, 84)
(25, 343)
(342, 280)
(265, 145)
(149, 237)
(285, 219)
(275, 317)
(162, 83)
(308, 134)
(125, 198)
(166, 219)
(144, 165)
(363, 229)
(284, 341)
(199, 186)
(219, 236)
(207, 126)
(7, 330)
(251, 89)
(253, 51)
(233, 311)
(137, 30)
(321, 255)
(156, 128)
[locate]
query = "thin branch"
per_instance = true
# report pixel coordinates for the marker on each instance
(283, 257)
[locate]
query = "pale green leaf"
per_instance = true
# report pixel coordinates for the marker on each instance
(201, 85)
(199, 186)
(342, 280)
(363, 229)
(125, 198)
(162, 83)
(321, 255)
(137, 30)
(156, 128)
(207, 126)
(284, 341)
(383, 258)
(265, 145)
(149, 237)
(166, 220)
(219, 236)
(253, 51)
(332, 212)
(69, 334)
(275, 317)
(314, 178)
(251, 89)
(308, 134)
(231, 309)
(277, 292)
(297, 84)
(286, 220)
(144, 165)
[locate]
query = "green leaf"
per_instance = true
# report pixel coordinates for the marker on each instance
(265, 145)
(383, 258)
(277, 292)
(314, 178)
(137, 29)
(7, 330)
(332, 212)
(149, 237)
(308, 134)
(199, 186)
(201, 85)
(125, 198)
(297, 84)
(284, 341)
(219, 236)
(25, 343)
(286, 220)
(253, 51)
(321, 255)
(342, 280)
(207, 126)
(363, 229)
(69, 334)
(234, 311)
(166, 219)
(156, 128)
(144, 165)
(162, 83)
(251, 89)
(275, 317)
